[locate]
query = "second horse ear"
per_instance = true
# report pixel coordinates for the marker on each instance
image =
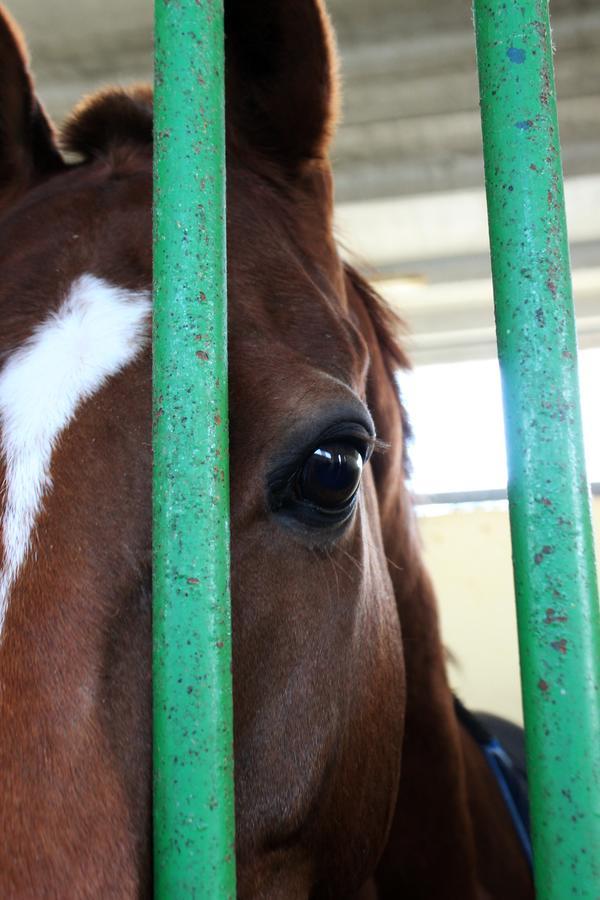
(28, 150)
(281, 77)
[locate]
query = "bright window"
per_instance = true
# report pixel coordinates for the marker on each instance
(456, 414)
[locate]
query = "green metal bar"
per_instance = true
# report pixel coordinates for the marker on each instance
(553, 553)
(193, 745)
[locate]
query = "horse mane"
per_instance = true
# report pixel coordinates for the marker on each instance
(107, 120)
(388, 327)
(386, 322)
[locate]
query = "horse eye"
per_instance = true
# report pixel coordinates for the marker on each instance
(330, 477)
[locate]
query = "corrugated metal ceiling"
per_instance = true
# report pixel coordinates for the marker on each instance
(408, 164)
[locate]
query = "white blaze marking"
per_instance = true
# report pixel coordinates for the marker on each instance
(97, 331)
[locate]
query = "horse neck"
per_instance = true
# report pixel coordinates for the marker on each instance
(449, 805)
(432, 809)
(501, 862)
(432, 812)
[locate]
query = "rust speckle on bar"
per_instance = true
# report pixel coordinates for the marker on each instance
(539, 557)
(552, 539)
(552, 617)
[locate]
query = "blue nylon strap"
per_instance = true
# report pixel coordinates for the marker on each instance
(510, 778)
(501, 764)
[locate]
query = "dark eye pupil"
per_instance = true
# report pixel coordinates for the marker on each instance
(330, 476)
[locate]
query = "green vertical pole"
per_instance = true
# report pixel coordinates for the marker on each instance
(193, 745)
(553, 553)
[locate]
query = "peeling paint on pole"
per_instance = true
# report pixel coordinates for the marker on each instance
(553, 552)
(194, 853)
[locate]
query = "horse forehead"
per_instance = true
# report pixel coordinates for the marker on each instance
(286, 282)
(289, 316)
(295, 335)
(91, 213)
(287, 296)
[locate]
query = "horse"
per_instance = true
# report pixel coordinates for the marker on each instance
(354, 778)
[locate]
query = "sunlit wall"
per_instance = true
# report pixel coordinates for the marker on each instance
(468, 555)
(456, 411)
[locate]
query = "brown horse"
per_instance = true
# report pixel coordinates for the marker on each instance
(325, 560)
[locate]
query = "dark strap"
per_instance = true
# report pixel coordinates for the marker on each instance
(510, 779)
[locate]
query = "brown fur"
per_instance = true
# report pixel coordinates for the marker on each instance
(451, 835)
(28, 152)
(112, 119)
(319, 691)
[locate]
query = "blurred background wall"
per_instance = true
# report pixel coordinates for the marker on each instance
(468, 554)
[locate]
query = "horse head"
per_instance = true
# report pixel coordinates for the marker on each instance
(317, 655)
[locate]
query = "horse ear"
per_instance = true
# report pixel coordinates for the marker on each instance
(281, 77)
(28, 150)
